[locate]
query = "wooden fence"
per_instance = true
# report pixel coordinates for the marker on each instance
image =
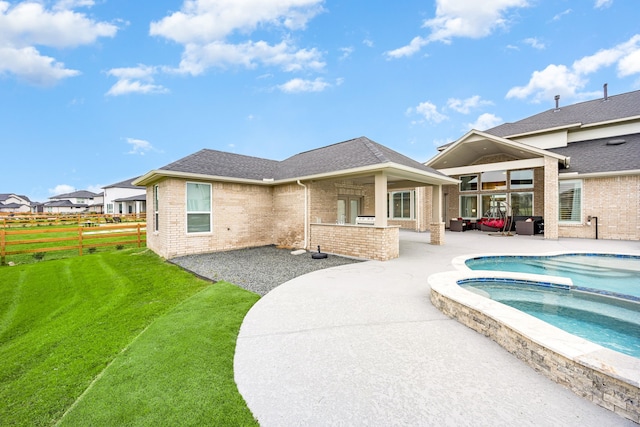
(29, 220)
(87, 235)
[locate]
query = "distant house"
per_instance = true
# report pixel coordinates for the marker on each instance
(75, 202)
(14, 203)
(346, 198)
(125, 198)
(576, 166)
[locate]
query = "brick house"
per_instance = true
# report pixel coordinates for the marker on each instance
(214, 201)
(577, 166)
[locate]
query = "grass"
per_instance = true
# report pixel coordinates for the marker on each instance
(166, 338)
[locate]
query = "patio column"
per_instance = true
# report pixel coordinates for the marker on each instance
(551, 196)
(381, 199)
(437, 225)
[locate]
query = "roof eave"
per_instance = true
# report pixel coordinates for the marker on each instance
(607, 174)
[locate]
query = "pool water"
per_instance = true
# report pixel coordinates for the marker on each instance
(610, 322)
(617, 275)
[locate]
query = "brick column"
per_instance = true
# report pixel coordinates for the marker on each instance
(551, 198)
(437, 226)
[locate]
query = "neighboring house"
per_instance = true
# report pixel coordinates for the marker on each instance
(76, 202)
(125, 198)
(213, 201)
(14, 203)
(567, 165)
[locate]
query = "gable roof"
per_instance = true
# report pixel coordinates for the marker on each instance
(355, 155)
(603, 155)
(127, 183)
(83, 194)
(615, 107)
(5, 196)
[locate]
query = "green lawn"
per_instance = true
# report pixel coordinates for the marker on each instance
(165, 338)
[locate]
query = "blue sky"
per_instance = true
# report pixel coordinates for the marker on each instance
(98, 91)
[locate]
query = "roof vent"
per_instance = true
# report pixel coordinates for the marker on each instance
(616, 141)
(606, 96)
(557, 98)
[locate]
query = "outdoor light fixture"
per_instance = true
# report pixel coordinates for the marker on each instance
(595, 218)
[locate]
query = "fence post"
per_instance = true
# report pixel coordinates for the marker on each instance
(2, 248)
(138, 224)
(80, 240)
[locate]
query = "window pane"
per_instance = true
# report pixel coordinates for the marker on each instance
(342, 211)
(397, 205)
(406, 205)
(522, 204)
(570, 201)
(198, 223)
(494, 180)
(494, 205)
(469, 183)
(198, 197)
(521, 179)
(468, 206)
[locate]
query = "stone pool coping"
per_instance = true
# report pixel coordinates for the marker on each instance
(606, 377)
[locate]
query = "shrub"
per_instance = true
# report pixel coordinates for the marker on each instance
(38, 255)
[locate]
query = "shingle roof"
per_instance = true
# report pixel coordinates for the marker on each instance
(596, 155)
(589, 112)
(5, 196)
(65, 203)
(125, 184)
(137, 198)
(351, 154)
(81, 193)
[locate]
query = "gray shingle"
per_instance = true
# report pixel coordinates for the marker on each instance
(347, 155)
(596, 156)
(595, 111)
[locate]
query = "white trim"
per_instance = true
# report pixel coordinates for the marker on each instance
(489, 167)
(577, 175)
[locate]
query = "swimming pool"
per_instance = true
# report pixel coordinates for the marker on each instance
(612, 323)
(617, 275)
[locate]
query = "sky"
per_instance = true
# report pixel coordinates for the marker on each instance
(94, 92)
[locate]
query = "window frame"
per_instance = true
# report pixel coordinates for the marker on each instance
(577, 217)
(196, 212)
(460, 205)
(521, 186)
(476, 176)
(156, 209)
(391, 205)
(523, 193)
(501, 185)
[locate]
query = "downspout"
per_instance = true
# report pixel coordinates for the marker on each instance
(306, 216)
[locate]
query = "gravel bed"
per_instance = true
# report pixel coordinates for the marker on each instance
(257, 269)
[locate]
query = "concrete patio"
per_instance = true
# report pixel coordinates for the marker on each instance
(362, 345)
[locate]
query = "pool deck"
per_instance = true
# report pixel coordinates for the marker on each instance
(363, 345)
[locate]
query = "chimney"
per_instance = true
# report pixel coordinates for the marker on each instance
(557, 98)
(606, 97)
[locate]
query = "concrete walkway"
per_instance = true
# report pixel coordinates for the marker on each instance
(363, 345)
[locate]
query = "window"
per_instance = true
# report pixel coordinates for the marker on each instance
(522, 204)
(469, 206)
(494, 205)
(110, 208)
(469, 183)
(401, 205)
(198, 207)
(348, 209)
(570, 201)
(155, 208)
(494, 180)
(521, 179)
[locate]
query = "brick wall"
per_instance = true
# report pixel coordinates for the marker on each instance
(288, 216)
(377, 243)
(616, 203)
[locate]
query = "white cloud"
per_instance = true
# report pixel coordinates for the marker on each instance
(72, 4)
(561, 14)
(428, 111)
(569, 81)
(601, 4)
(465, 106)
(139, 146)
(204, 27)
(455, 18)
(534, 43)
(301, 85)
(61, 189)
(135, 80)
(484, 121)
(95, 188)
(27, 24)
(368, 42)
(346, 52)
(196, 59)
